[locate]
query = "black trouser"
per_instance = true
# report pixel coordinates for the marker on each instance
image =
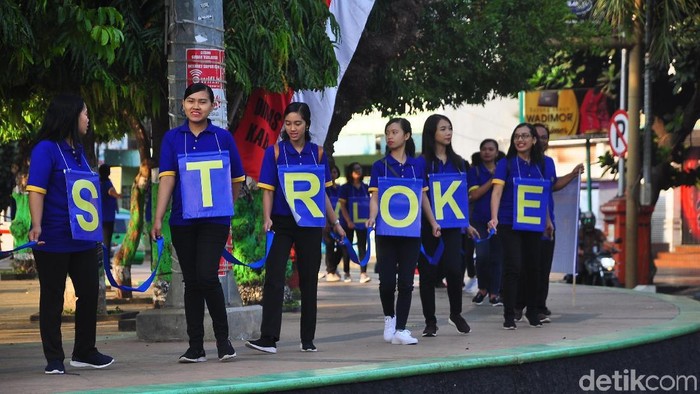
(451, 264)
(53, 269)
(198, 248)
(361, 248)
(107, 232)
(397, 256)
(468, 256)
(545, 266)
(489, 260)
(334, 253)
(307, 241)
(521, 257)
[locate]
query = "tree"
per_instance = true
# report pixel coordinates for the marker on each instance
(675, 66)
(423, 55)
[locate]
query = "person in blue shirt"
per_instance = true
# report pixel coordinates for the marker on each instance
(56, 150)
(397, 256)
(334, 252)
(201, 170)
(294, 154)
(354, 189)
(522, 248)
(489, 252)
(440, 158)
(109, 205)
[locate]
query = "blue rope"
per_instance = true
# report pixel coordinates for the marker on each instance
(345, 242)
(145, 285)
(269, 237)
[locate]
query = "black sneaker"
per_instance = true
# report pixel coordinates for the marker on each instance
(226, 351)
(479, 298)
(55, 367)
(307, 346)
(263, 345)
(518, 314)
(496, 301)
(430, 329)
(509, 325)
(544, 318)
(193, 356)
(94, 360)
(534, 321)
(546, 311)
(459, 322)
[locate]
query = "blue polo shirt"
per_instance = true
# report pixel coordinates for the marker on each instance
(109, 203)
(438, 167)
(414, 167)
(46, 177)
(481, 208)
(348, 190)
(288, 156)
(518, 168)
(175, 142)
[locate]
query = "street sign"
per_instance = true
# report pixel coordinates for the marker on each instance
(619, 132)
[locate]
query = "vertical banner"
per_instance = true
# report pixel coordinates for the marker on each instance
(449, 199)
(530, 201)
(566, 203)
(304, 189)
(206, 185)
(351, 17)
(259, 128)
(84, 206)
(207, 66)
(399, 207)
(358, 208)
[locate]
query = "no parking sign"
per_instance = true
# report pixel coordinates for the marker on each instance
(619, 132)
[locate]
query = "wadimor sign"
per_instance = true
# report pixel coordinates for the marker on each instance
(568, 113)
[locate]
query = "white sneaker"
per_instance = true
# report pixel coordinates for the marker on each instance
(403, 337)
(321, 275)
(364, 278)
(389, 328)
(347, 278)
(332, 277)
(472, 286)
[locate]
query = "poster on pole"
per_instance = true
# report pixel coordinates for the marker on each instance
(207, 66)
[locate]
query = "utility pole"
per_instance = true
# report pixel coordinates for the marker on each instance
(633, 165)
(195, 54)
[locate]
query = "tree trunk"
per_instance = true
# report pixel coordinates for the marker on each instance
(122, 260)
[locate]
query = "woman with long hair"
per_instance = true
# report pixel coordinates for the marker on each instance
(440, 158)
(56, 152)
(524, 161)
(289, 155)
(397, 255)
(352, 190)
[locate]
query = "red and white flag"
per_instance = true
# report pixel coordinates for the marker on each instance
(351, 17)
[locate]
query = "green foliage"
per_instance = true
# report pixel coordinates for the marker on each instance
(8, 154)
(248, 237)
(278, 44)
(22, 221)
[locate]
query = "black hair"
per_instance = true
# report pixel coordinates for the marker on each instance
(536, 153)
(476, 156)
(406, 127)
(104, 171)
(350, 169)
(305, 112)
(198, 87)
(429, 130)
(61, 119)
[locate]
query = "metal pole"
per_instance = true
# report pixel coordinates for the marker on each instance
(645, 192)
(623, 105)
(589, 182)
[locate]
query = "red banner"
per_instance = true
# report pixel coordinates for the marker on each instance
(260, 127)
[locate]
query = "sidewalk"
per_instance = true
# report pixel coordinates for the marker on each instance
(349, 339)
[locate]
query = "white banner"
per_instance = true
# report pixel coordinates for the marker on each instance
(566, 203)
(351, 17)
